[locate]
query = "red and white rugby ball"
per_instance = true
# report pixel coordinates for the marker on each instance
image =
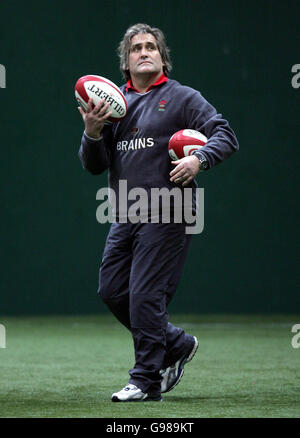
(184, 142)
(97, 88)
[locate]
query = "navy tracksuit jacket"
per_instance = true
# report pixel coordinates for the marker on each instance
(143, 262)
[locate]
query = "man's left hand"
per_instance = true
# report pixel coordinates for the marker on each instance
(185, 171)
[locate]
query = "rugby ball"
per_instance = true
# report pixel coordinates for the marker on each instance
(184, 142)
(97, 88)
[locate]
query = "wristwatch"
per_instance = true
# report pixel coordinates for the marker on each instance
(203, 161)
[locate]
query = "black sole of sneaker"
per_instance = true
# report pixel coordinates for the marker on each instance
(115, 399)
(193, 352)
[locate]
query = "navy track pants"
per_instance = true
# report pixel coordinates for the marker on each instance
(140, 270)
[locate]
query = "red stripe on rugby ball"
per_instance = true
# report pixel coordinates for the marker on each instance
(79, 87)
(192, 150)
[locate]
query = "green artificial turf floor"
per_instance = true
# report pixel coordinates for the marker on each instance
(69, 366)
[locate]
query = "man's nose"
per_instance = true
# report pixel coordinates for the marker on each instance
(144, 52)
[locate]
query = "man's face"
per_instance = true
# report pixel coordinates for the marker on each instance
(144, 56)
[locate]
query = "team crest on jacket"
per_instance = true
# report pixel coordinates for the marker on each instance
(162, 105)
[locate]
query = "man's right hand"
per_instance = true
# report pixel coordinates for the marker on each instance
(94, 118)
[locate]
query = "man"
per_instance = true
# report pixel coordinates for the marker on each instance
(143, 262)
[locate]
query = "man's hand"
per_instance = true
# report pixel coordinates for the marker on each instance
(185, 171)
(94, 118)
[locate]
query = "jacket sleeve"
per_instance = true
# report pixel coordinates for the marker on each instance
(95, 154)
(202, 116)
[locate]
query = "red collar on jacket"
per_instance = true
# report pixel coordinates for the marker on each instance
(163, 78)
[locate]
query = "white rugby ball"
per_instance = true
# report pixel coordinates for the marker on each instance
(97, 88)
(184, 142)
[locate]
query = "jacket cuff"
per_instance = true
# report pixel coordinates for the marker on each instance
(91, 138)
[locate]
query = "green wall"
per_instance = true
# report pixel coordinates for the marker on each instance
(239, 55)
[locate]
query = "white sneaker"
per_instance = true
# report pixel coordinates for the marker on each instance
(132, 393)
(172, 375)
